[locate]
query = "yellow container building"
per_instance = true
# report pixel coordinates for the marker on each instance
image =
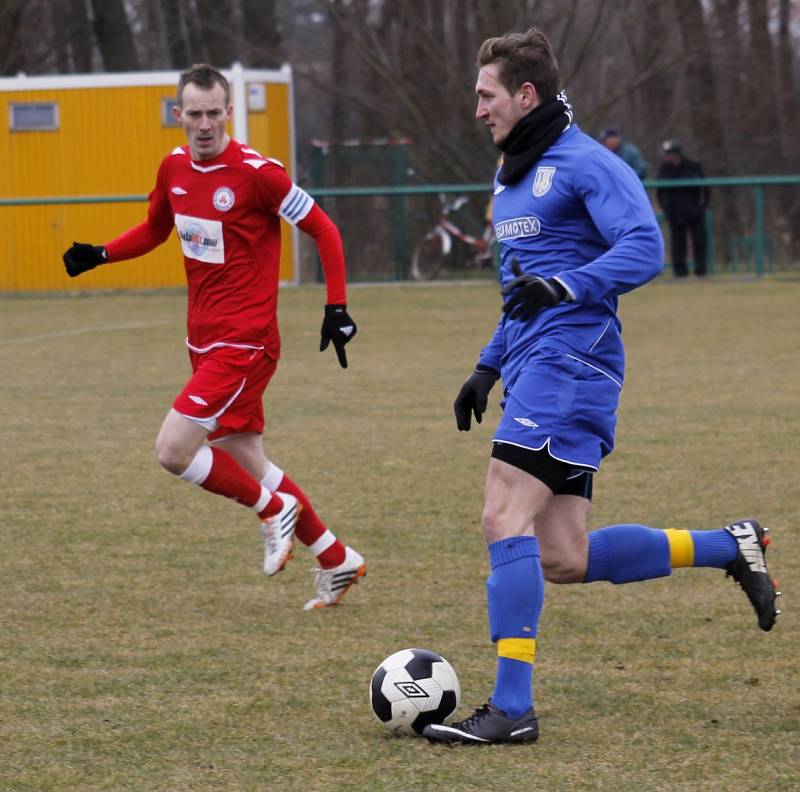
(80, 155)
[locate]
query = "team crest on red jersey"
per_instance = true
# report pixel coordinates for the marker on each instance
(224, 199)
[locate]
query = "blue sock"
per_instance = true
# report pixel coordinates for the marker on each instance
(714, 548)
(626, 553)
(515, 594)
(513, 687)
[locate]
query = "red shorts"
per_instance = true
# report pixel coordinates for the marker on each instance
(226, 389)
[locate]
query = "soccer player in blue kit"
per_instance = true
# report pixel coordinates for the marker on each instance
(576, 231)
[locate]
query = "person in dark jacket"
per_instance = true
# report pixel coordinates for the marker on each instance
(684, 208)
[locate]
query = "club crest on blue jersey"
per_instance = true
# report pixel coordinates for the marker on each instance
(224, 199)
(543, 180)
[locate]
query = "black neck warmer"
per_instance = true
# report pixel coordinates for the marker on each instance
(532, 135)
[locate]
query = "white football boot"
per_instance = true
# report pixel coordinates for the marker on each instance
(278, 534)
(332, 584)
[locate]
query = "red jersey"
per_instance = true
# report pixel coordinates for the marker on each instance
(226, 212)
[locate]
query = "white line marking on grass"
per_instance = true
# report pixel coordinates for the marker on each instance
(422, 284)
(83, 331)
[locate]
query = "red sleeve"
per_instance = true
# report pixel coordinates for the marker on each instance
(329, 245)
(152, 232)
(275, 186)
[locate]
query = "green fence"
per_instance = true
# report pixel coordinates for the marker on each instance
(757, 240)
(748, 244)
(386, 222)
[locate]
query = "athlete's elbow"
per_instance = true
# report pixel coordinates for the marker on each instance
(656, 265)
(653, 252)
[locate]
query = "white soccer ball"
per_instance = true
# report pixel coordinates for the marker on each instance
(412, 688)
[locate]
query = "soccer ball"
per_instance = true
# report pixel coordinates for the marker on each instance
(412, 688)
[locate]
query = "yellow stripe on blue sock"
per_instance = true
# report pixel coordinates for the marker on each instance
(681, 548)
(522, 649)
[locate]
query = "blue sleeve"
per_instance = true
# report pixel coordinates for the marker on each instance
(492, 354)
(620, 210)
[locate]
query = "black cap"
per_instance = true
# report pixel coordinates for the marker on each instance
(607, 133)
(672, 147)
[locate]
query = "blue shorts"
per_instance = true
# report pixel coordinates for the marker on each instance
(563, 404)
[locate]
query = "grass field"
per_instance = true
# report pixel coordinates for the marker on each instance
(142, 648)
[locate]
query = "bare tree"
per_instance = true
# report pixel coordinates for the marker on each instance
(176, 34)
(415, 59)
(788, 84)
(703, 106)
(411, 70)
(764, 110)
(11, 21)
(114, 37)
(654, 110)
(218, 29)
(152, 48)
(79, 36)
(789, 124)
(263, 44)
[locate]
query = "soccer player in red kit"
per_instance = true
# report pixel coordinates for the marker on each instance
(225, 201)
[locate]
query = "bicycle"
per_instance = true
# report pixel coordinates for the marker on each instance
(437, 246)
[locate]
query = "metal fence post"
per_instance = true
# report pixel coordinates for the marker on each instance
(399, 212)
(758, 195)
(710, 240)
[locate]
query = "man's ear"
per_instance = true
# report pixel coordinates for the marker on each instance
(529, 97)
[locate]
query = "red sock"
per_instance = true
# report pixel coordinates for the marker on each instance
(310, 528)
(228, 478)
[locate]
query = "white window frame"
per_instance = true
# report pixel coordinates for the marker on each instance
(167, 117)
(14, 122)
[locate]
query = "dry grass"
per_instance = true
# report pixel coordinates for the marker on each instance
(142, 649)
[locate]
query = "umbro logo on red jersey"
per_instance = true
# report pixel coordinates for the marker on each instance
(179, 191)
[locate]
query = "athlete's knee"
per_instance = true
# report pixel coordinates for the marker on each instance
(494, 526)
(512, 500)
(171, 456)
(563, 567)
(499, 522)
(564, 554)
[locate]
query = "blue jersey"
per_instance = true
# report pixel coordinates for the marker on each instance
(580, 215)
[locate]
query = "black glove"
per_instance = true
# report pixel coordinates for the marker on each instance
(530, 294)
(82, 258)
(473, 396)
(337, 326)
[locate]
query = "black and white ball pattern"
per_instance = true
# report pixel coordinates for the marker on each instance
(412, 688)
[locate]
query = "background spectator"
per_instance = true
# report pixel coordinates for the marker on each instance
(684, 208)
(612, 139)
